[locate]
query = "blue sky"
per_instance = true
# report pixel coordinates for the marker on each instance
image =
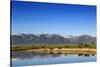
(64, 19)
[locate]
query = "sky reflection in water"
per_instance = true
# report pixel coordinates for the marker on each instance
(22, 58)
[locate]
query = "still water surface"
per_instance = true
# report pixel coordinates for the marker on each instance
(23, 58)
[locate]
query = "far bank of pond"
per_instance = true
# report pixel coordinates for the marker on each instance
(60, 48)
(66, 50)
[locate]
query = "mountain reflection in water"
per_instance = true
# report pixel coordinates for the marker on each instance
(29, 55)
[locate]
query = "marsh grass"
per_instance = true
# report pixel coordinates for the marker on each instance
(51, 46)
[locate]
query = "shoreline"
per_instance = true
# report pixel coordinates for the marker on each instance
(65, 50)
(61, 48)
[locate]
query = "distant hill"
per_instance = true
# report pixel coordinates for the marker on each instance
(49, 38)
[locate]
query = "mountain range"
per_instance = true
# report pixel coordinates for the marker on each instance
(50, 38)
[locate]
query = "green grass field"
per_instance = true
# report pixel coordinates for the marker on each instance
(50, 46)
